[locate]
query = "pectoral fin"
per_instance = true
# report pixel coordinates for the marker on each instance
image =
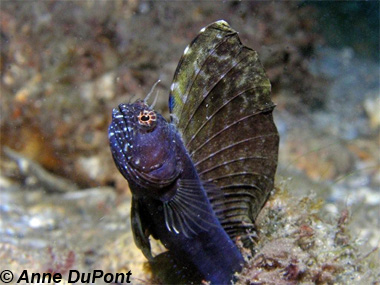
(189, 211)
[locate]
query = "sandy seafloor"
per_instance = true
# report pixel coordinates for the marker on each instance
(65, 65)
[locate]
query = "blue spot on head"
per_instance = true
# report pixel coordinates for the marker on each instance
(171, 102)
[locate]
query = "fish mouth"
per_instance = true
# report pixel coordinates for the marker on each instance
(120, 134)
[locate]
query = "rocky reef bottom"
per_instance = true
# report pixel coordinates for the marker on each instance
(300, 240)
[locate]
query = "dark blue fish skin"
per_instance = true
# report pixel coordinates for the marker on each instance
(147, 167)
(154, 161)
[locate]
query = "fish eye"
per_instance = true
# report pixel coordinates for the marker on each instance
(147, 118)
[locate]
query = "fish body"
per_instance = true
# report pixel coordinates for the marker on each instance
(199, 181)
(168, 196)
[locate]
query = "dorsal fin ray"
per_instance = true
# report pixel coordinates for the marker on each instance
(220, 103)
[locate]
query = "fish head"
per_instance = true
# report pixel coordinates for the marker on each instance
(142, 142)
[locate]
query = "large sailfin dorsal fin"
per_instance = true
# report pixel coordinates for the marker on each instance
(220, 103)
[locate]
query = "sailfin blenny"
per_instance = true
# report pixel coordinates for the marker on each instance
(199, 181)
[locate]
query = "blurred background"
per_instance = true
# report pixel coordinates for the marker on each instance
(65, 65)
